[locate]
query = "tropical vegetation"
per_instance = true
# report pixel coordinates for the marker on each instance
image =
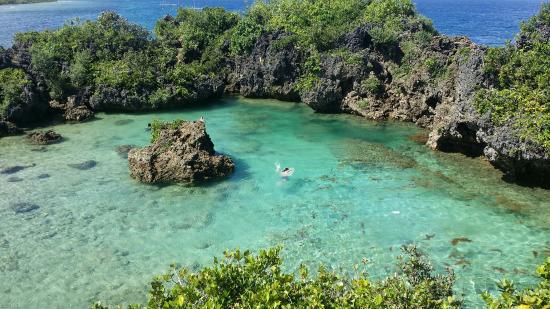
(520, 74)
(244, 280)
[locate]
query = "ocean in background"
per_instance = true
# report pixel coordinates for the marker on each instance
(490, 22)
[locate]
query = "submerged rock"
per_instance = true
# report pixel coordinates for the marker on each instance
(14, 169)
(84, 165)
(122, 122)
(21, 208)
(123, 150)
(181, 154)
(458, 240)
(44, 138)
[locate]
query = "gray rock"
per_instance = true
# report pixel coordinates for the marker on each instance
(43, 176)
(86, 165)
(73, 110)
(44, 137)
(182, 155)
(14, 169)
(8, 128)
(123, 150)
(21, 208)
(270, 70)
(325, 96)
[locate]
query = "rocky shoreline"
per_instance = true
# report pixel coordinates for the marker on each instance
(361, 78)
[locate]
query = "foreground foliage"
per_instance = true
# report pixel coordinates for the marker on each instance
(534, 297)
(521, 77)
(244, 280)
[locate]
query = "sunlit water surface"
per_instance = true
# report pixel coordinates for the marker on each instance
(361, 189)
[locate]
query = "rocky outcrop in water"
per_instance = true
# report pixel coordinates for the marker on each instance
(8, 128)
(73, 110)
(523, 162)
(181, 154)
(44, 138)
(83, 166)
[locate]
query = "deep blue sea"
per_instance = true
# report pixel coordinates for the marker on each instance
(490, 22)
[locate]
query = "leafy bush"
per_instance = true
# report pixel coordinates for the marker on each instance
(158, 125)
(65, 57)
(381, 11)
(529, 28)
(372, 85)
(244, 280)
(194, 30)
(249, 28)
(12, 83)
(521, 79)
(532, 297)
(315, 23)
(311, 70)
(348, 56)
(391, 18)
(434, 66)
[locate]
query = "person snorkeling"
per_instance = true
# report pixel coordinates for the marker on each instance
(285, 172)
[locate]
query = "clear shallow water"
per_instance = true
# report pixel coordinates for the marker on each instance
(489, 22)
(361, 189)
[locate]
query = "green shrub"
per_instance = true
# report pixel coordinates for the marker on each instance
(287, 40)
(315, 23)
(372, 85)
(380, 11)
(199, 28)
(434, 67)
(311, 70)
(363, 103)
(81, 73)
(249, 28)
(244, 280)
(521, 81)
(531, 297)
(529, 28)
(348, 56)
(12, 83)
(158, 125)
(66, 57)
(133, 72)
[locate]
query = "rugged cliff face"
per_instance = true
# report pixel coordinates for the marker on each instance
(269, 71)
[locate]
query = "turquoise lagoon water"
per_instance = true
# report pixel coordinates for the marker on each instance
(361, 189)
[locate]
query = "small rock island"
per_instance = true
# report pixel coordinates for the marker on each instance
(181, 152)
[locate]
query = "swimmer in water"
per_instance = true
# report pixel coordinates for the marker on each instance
(286, 172)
